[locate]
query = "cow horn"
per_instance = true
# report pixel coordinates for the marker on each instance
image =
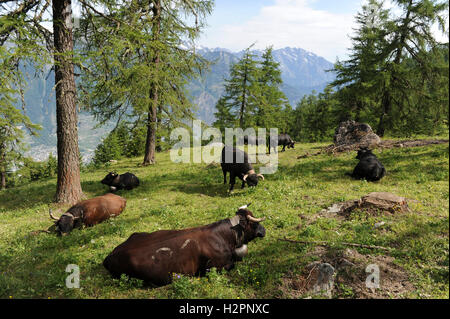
(260, 175)
(256, 220)
(51, 215)
(245, 177)
(245, 206)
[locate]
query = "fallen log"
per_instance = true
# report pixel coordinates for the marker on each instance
(386, 144)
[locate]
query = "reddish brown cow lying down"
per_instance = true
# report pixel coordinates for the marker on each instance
(89, 212)
(155, 257)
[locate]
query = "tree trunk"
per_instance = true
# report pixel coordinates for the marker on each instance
(68, 183)
(244, 96)
(3, 179)
(386, 109)
(2, 168)
(150, 143)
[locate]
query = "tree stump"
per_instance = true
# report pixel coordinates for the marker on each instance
(372, 203)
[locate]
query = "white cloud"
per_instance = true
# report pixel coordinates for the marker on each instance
(289, 23)
(295, 23)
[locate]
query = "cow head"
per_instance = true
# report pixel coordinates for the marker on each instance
(249, 225)
(363, 152)
(110, 178)
(252, 179)
(65, 224)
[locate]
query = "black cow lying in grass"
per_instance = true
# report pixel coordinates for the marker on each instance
(156, 257)
(236, 162)
(369, 167)
(117, 182)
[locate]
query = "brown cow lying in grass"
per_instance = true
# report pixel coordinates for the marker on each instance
(89, 212)
(155, 257)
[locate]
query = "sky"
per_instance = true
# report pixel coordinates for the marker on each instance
(320, 26)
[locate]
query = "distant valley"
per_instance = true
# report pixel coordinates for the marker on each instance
(302, 72)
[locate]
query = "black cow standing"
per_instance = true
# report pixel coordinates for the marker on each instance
(236, 162)
(283, 139)
(369, 167)
(117, 182)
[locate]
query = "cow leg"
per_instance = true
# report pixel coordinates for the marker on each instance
(243, 184)
(284, 146)
(225, 262)
(232, 181)
(224, 176)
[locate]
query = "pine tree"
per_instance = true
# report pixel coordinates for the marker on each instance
(14, 121)
(241, 93)
(410, 37)
(271, 100)
(360, 78)
(392, 65)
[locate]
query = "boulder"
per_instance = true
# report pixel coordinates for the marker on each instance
(351, 133)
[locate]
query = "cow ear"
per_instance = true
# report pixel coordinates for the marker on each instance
(243, 221)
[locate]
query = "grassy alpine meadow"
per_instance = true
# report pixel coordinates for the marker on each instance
(176, 195)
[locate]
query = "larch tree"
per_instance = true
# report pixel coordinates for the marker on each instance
(409, 37)
(272, 102)
(13, 121)
(360, 78)
(137, 61)
(241, 92)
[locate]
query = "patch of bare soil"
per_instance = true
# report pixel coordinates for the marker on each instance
(385, 144)
(349, 279)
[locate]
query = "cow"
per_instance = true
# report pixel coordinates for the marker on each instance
(117, 182)
(89, 212)
(283, 139)
(236, 162)
(369, 167)
(156, 257)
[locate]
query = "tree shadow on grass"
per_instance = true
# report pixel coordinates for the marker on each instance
(211, 190)
(27, 196)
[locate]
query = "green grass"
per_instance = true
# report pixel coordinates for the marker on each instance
(174, 196)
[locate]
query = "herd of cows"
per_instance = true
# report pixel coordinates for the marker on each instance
(155, 257)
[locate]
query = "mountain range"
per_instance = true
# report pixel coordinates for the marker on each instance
(302, 73)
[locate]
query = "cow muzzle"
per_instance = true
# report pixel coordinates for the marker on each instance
(260, 231)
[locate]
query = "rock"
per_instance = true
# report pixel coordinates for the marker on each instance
(325, 280)
(336, 208)
(351, 132)
(378, 225)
